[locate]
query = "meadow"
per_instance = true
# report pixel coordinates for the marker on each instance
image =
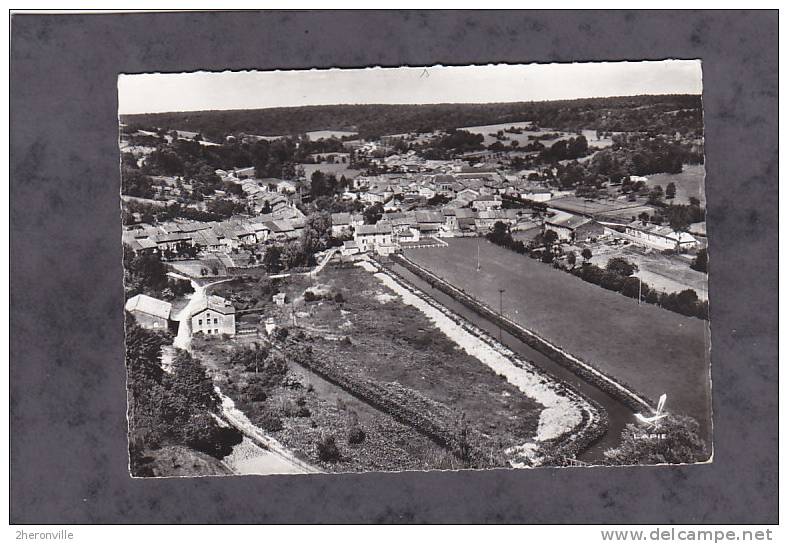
(653, 350)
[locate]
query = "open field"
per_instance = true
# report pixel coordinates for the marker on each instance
(394, 342)
(522, 139)
(670, 274)
(338, 169)
(320, 134)
(653, 350)
(311, 408)
(690, 182)
(374, 335)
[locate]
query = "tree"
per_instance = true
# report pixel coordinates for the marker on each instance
(670, 191)
(621, 266)
(373, 213)
(655, 195)
(586, 253)
(549, 237)
(571, 259)
(272, 259)
(671, 440)
(701, 261)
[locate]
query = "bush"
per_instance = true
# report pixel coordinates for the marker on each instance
(339, 298)
(309, 296)
(327, 449)
(356, 435)
(255, 392)
(270, 422)
(303, 411)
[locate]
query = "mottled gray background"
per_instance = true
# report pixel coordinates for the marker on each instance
(68, 422)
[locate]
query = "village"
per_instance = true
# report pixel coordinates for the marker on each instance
(247, 261)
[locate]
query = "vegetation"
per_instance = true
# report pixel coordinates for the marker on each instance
(617, 276)
(167, 409)
(701, 261)
(673, 439)
(611, 114)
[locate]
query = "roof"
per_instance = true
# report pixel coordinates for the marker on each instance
(381, 227)
(429, 217)
(568, 221)
(664, 231)
(340, 219)
(216, 304)
(149, 305)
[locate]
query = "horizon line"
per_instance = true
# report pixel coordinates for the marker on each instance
(409, 104)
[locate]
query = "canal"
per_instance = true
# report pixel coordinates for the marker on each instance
(618, 414)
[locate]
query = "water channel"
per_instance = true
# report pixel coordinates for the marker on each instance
(618, 414)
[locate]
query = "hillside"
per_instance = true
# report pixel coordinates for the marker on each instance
(661, 114)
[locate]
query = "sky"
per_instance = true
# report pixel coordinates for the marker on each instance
(151, 93)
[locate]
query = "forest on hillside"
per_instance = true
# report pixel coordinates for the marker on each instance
(660, 114)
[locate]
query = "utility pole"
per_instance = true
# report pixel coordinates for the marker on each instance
(500, 311)
(640, 288)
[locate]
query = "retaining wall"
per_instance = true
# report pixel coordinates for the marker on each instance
(613, 387)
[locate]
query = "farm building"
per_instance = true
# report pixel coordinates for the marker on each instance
(573, 228)
(656, 236)
(215, 315)
(150, 313)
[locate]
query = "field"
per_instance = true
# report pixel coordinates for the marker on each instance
(664, 273)
(651, 349)
(320, 134)
(522, 139)
(372, 334)
(338, 169)
(690, 182)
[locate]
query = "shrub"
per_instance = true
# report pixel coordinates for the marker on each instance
(270, 422)
(303, 411)
(620, 266)
(339, 298)
(327, 449)
(356, 435)
(309, 296)
(255, 392)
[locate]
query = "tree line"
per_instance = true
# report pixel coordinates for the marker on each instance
(663, 114)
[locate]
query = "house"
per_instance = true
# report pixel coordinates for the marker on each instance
(349, 248)
(486, 219)
(656, 236)
(468, 194)
(150, 313)
(429, 222)
(573, 228)
(537, 195)
(244, 173)
(344, 223)
(368, 237)
(486, 203)
(214, 315)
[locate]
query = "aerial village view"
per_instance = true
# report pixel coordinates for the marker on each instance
(362, 284)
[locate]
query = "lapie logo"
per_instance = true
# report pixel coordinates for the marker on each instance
(652, 421)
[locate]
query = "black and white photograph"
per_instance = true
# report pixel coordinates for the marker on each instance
(418, 268)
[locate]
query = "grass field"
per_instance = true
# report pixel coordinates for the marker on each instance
(394, 342)
(690, 182)
(321, 134)
(374, 335)
(654, 350)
